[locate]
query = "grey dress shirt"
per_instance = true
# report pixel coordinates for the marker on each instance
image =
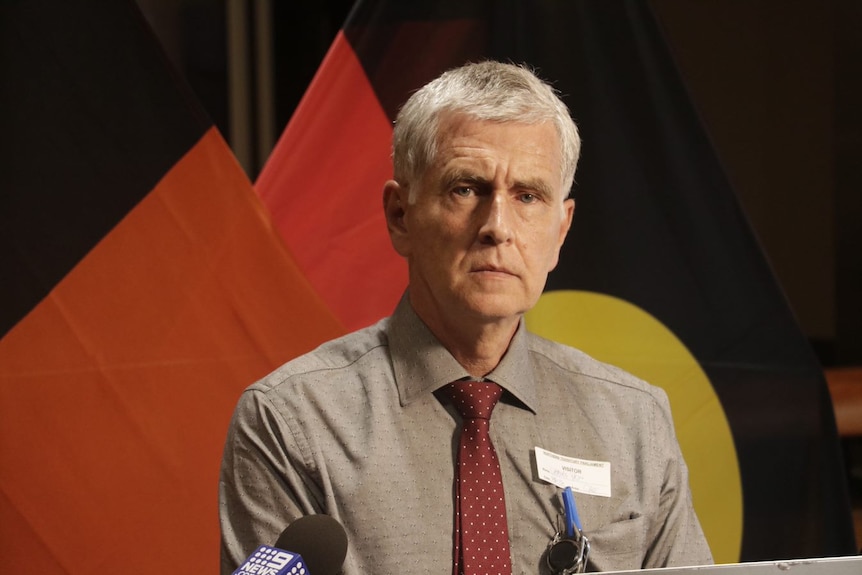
(353, 429)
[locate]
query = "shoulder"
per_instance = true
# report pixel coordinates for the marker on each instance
(335, 358)
(572, 367)
(321, 394)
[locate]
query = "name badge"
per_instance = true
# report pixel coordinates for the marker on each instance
(582, 475)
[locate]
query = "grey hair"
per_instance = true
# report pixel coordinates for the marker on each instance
(490, 91)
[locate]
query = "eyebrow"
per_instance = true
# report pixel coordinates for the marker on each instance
(537, 185)
(453, 177)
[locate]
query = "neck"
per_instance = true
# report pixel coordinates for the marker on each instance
(480, 355)
(478, 347)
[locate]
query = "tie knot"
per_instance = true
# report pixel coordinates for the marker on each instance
(474, 399)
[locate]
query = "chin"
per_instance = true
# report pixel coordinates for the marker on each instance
(495, 308)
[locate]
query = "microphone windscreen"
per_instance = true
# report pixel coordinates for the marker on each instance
(319, 539)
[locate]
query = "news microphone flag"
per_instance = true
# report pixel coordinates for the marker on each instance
(268, 560)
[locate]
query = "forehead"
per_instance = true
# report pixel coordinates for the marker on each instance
(490, 149)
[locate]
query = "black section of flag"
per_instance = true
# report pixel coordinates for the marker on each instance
(403, 45)
(83, 140)
(657, 224)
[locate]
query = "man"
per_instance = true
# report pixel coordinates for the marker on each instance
(367, 429)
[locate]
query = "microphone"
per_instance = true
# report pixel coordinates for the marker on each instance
(317, 543)
(320, 539)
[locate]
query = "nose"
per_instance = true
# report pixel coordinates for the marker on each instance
(497, 220)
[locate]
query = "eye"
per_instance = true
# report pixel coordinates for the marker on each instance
(528, 198)
(464, 191)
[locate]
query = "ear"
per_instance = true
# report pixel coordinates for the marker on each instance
(394, 208)
(565, 225)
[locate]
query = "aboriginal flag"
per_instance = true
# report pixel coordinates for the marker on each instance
(143, 287)
(661, 274)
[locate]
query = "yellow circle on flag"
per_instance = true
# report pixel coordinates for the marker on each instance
(620, 333)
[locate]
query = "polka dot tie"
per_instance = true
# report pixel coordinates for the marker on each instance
(481, 533)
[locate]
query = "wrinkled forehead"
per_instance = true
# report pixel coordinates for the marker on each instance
(529, 151)
(449, 120)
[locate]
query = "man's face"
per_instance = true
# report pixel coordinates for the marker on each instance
(487, 223)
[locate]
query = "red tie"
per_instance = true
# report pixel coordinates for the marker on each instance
(481, 533)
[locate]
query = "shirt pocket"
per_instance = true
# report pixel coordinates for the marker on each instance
(618, 546)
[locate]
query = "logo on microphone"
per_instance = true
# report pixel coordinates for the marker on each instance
(272, 561)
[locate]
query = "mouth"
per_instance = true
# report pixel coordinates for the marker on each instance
(493, 270)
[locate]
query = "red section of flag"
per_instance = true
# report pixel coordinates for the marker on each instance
(116, 391)
(324, 184)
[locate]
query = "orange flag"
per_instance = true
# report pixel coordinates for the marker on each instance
(144, 287)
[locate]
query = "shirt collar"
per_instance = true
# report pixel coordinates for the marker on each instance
(422, 365)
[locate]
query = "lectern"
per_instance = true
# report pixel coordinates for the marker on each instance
(818, 566)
